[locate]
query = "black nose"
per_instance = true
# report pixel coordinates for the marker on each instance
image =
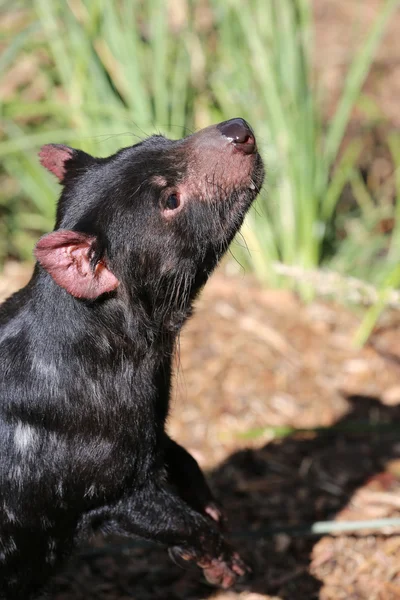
(240, 134)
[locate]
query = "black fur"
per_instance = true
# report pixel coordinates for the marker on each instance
(84, 384)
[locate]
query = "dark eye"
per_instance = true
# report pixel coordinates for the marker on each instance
(172, 202)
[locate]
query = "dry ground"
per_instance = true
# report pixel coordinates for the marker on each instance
(253, 358)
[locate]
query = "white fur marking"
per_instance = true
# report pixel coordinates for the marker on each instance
(25, 437)
(9, 514)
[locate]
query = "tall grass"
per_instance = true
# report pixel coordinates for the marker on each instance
(267, 74)
(117, 71)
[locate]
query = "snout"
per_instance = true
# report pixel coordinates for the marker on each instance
(226, 155)
(240, 134)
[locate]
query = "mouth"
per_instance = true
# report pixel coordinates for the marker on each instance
(256, 177)
(235, 206)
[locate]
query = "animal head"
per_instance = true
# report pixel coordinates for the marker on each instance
(152, 219)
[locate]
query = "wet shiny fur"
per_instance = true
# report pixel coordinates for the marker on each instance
(86, 350)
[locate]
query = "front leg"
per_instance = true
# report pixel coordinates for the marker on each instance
(156, 514)
(186, 476)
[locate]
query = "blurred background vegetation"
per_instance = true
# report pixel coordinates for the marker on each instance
(100, 75)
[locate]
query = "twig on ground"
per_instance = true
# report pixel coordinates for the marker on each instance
(331, 283)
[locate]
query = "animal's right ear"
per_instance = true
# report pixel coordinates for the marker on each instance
(67, 257)
(63, 161)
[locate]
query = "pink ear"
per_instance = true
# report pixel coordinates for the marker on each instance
(65, 255)
(53, 158)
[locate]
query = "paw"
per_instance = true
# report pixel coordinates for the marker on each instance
(223, 571)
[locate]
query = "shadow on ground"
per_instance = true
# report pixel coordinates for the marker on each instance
(299, 479)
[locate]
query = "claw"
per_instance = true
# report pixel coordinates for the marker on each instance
(216, 514)
(180, 556)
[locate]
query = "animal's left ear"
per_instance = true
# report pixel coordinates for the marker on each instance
(66, 256)
(63, 161)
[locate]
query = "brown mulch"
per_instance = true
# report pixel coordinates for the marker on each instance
(253, 358)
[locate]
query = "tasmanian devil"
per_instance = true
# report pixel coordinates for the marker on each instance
(86, 350)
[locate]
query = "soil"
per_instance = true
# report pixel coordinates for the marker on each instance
(251, 363)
